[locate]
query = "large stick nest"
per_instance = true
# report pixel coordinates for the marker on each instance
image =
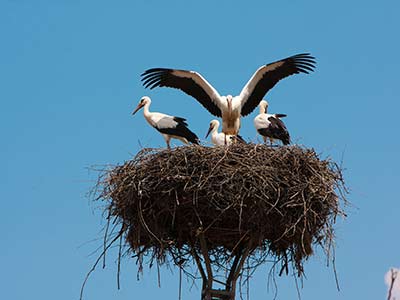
(281, 201)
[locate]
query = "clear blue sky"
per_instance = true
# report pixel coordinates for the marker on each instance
(69, 73)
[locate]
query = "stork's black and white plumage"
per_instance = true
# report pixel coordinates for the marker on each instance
(229, 108)
(271, 126)
(220, 138)
(170, 127)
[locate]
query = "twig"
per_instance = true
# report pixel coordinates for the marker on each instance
(119, 262)
(96, 263)
(393, 276)
(105, 236)
(297, 287)
(334, 268)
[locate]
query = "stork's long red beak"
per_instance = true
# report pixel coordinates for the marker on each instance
(137, 108)
(209, 130)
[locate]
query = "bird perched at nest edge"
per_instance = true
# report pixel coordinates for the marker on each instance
(220, 138)
(270, 125)
(170, 127)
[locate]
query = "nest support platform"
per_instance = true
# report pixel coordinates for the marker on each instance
(223, 208)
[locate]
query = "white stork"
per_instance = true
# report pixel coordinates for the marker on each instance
(219, 138)
(271, 126)
(170, 127)
(229, 108)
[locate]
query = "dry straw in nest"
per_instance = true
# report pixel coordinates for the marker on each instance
(278, 202)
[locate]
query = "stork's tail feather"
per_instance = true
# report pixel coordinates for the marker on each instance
(192, 137)
(286, 140)
(240, 139)
(280, 115)
(196, 141)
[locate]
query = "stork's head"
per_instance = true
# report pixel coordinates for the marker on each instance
(214, 124)
(145, 100)
(263, 106)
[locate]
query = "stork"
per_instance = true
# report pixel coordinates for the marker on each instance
(271, 126)
(170, 127)
(219, 138)
(230, 108)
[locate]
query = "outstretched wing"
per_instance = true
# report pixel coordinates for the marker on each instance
(190, 82)
(267, 76)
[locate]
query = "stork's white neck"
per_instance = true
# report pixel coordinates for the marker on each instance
(214, 131)
(146, 111)
(263, 109)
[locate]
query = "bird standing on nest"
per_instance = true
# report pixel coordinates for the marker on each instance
(220, 138)
(170, 127)
(270, 125)
(230, 108)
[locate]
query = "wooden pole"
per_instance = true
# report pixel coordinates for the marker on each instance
(207, 292)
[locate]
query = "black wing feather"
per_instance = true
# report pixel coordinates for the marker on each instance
(279, 130)
(300, 63)
(181, 130)
(276, 130)
(161, 77)
(280, 115)
(181, 120)
(240, 139)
